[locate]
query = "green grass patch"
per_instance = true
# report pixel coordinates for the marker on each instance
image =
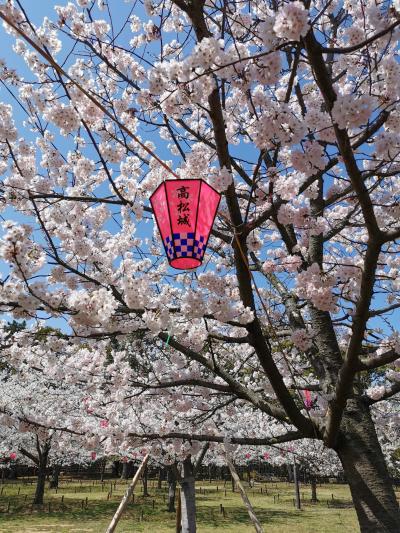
(84, 506)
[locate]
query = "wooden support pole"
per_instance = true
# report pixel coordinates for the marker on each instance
(127, 496)
(296, 485)
(179, 513)
(257, 525)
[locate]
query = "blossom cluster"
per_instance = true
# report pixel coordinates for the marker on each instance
(291, 21)
(317, 287)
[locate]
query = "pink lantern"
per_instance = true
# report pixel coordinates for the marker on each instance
(185, 211)
(13, 456)
(308, 402)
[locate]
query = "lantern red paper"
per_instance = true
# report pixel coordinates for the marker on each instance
(185, 211)
(307, 399)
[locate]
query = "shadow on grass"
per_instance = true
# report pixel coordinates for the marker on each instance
(145, 519)
(207, 515)
(337, 504)
(211, 516)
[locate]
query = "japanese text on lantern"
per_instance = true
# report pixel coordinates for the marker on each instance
(183, 206)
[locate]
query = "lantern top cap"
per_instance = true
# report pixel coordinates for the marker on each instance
(185, 179)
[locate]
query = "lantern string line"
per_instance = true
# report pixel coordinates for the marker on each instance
(98, 104)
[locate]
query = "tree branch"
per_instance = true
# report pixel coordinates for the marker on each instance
(380, 360)
(267, 441)
(355, 47)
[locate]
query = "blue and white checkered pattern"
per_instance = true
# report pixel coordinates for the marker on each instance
(184, 245)
(169, 247)
(199, 247)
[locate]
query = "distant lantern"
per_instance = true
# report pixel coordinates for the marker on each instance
(185, 211)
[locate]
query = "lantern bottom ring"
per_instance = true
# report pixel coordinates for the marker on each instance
(185, 263)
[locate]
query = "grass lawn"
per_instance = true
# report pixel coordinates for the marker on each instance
(71, 512)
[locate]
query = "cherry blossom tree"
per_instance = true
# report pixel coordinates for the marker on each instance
(290, 109)
(36, 415)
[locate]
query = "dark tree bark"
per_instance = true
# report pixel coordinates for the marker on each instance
(365, 468)
(296, 485)
(103, 468)
(115, 468)
(249, 475)
(12, 472)
(124, 473)
(54, 477)
(160, 478)
(41, 474)
(314, 498)
(145, 482)
(188, 498)
(40, 460)
(40, 485)
(127, 470)
(289, 473)
(171, 479)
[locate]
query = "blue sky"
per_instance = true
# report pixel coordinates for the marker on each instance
(36, 10)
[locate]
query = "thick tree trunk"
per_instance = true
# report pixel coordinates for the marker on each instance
(296, 485)
(115, 468)
(54, 476)
(40, 483)
(124, 473)
(42, 459)
(103, 469)
(314, 498)
(145, 484)
(188, 498)
(289, 473)
(127, 470)
(12, 473)
(365, 468)
(171, 478)
(160, 478)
